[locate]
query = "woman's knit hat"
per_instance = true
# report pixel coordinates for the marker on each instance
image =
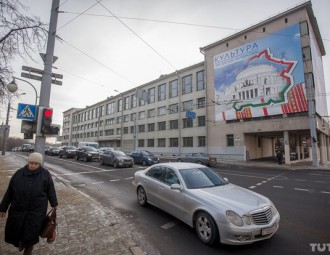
(35, 157)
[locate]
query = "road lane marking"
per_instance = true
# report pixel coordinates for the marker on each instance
(128, 178)
(325, 192)
(258, 184)
(301, 189)
(252, 187)
(110, 170)
(97, 182)
(169, 225)
(300, 180)
(280, 187)
(320, 181)
(79, 185)
(114, 180)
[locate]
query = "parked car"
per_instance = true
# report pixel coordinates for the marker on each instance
(68, 151)
(103, 149)
(52, 151)
(144, 157)
(199, 158)
(116, 159)
(27, 147)
(217, 209)
(87, 153)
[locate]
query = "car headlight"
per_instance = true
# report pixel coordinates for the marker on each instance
(234, 218)
(246, 220)
(89, 155)
(273, 208)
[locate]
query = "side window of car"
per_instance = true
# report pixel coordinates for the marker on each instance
(156, 172)
(171, 177)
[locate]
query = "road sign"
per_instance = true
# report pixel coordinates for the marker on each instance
(190, 115)
(39, 78)
(38, 71)
(26, 111)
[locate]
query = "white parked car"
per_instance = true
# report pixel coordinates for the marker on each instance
(217, 209)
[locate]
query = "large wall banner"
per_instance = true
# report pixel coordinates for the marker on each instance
(261, 78)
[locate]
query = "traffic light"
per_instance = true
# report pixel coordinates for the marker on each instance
(45, 127)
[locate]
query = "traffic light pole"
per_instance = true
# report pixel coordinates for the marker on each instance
(47, 75)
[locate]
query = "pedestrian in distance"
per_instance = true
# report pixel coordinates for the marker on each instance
(279, 156)
(27, 196)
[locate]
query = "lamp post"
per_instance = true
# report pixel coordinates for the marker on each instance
(13, 83)
(12, 88)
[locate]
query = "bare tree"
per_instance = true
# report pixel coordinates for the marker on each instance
(20, 36)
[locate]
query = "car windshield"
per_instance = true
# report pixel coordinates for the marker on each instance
(88, 148)
(147, 153)
(197, 178)
(119, 153)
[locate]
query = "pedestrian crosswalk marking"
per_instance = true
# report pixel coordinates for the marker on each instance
(26, 112)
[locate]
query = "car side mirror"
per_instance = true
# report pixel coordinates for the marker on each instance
(176, 186)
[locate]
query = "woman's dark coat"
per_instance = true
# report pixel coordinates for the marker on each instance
(27, 195)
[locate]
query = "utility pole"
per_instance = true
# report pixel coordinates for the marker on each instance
(47, 75)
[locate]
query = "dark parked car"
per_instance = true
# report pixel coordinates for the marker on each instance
(52, 151)
(144, 157)
(116, 159)
(87, 153)
(199, 158)
(68, 151)
(103, 149)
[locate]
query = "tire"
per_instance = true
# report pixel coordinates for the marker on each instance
(206, 228)
(144, 163)
(60, 155)
(101, 162)
(115, 164)
(179, 160)
(142, 196)
(131, 166)
(76, 157)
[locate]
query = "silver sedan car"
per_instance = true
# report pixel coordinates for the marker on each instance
(217, 209)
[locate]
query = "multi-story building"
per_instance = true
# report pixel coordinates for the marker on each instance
(258, 91)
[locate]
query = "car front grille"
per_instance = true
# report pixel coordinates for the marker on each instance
(262, 217)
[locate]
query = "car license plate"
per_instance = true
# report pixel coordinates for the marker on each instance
(268, 231)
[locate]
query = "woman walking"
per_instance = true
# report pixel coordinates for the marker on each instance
(27, 196)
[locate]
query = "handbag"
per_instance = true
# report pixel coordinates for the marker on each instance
(49, 228)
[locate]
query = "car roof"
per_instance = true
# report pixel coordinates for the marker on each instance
(181, 165)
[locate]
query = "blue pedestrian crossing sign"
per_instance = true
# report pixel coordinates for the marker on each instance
(26, 111)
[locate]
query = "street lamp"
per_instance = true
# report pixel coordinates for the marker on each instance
(11, 88)
(13, 84)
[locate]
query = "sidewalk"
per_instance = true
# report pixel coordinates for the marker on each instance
(84, 225)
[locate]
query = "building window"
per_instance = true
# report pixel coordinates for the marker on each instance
(174, 108)
(151, 127)
(141, 128)
(230, 140)
(201, 141)
(201, 121)
(174, 124)
(187, 123)
(174, 142)
(120, 105)
(187, 84)
(111, 108)
(162, 92)
(161, 142)
(133, 116)
(162, 125)
(200, 81)
(125, 130)
(201, 102)
(141, 115)
(126, 103)
(161, 110)
(151, 113)
(174, 89)
(151, 94)
(151, 143)
(140, 143)
(132, 129)
(126, 118)
(187, 105)
(188, 142)
(119, 119)
(118, 131)
(133, 101)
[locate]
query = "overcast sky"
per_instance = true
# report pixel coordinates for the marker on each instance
(99, 54)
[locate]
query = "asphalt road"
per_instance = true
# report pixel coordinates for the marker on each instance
(301, 196)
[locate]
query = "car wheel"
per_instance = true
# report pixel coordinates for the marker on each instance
(206, 228)
(144, 163)
(115, 164)
(76, 157)
(179, 160)
(131, 166)
(85, 159)
(141, 196)
(60, 155)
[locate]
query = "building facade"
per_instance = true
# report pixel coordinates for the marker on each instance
(255, 93)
